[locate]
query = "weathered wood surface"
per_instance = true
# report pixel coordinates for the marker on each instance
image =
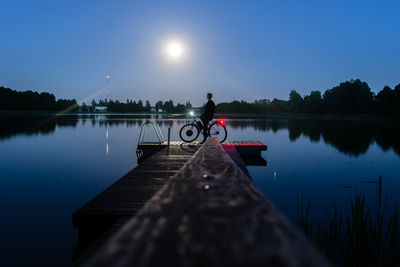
(236, 143)
(243, 147)
(208, 214)
(121, 197)
(247, 148)
(127, 195)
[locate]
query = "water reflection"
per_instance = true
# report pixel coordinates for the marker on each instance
(69, 167)
(107, 142)
(11, 126)
(352, 137)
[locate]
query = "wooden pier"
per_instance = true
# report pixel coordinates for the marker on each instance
(194, 205)
(126, 196)
(250, 151)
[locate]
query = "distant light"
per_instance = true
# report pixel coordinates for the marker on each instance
(191, 113)
(174, 50)
(108, 77)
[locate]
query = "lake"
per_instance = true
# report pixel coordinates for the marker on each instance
(52, 165)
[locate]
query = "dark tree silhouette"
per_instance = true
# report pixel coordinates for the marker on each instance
(296, 102)
(159, 105)
(351, 97)
(33, 101)
(147, 107)
(388, 101)
(168, 106)
(313, 102)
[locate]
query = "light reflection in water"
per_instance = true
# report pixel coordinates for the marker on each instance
(107, 142)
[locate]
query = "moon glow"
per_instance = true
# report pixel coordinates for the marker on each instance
(174, 49)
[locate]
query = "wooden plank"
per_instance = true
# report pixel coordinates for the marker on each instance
(127, 195)
(243, 147)
(220, 219)
(250, 151)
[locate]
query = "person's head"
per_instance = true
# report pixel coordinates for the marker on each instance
(209, 96)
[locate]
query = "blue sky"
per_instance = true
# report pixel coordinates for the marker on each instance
(236, 49)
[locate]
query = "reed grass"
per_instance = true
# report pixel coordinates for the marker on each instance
(359, 238)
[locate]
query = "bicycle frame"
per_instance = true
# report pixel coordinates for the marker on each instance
(186, 132)
(196, 121)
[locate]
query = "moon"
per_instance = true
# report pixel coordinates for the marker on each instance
(174, 50)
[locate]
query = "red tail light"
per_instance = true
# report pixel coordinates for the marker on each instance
(222, 122)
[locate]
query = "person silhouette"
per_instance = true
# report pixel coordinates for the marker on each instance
(207, 115)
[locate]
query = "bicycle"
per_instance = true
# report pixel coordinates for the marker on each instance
(190, 131)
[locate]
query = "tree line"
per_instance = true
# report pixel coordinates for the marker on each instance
(350, 97)
(262, 106)
(34, 101)
(133, 106)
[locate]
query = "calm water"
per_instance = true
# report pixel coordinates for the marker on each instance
(50, 166)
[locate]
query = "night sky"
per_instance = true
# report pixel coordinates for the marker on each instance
(236, 49)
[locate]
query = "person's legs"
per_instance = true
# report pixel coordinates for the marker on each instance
(205, 129)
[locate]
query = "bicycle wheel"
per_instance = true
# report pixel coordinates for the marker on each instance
(189, 132)
(219, 131)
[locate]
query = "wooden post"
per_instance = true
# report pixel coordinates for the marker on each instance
(169, 139)
(209, 214)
